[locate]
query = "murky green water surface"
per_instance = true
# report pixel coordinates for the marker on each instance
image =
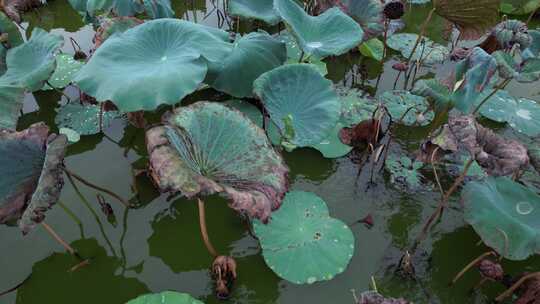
(158, 246)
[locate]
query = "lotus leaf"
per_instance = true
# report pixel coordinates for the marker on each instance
(32, 63)
(331, 146)
(356, 106)
(534, 48)
(247, 109)
(511, 32)
(436, 92)
(210, 148)
(331, 33)
(519, 7)
(66, 69)
(302, 243)
(252, 55)
(298, 96)
(295, 54)
(407, 108)
(524, 72)
(472, 18)
(110, 26)
(152, 8)
(522, 114)
(166, 297)
(84, 119)
(427, 50)
(368, 13)
(175, 63)
(260, 10)
(158, 8)
(373, 48)
(11, 103)
(505, 214)
(404, 171)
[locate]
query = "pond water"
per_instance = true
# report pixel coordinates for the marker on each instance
(157, 246)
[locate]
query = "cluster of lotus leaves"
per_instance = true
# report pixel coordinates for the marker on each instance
(506, 216)
(166, 297)
(210, 148)
(302, 243)
(31, 180)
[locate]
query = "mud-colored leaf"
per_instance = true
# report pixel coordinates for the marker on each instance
(110, 26)
(472, 18)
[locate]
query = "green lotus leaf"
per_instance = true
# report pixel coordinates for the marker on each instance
(210, 148)
(8, 27)
(373, 48)
(404, 171)
(32, 177)
(251, 111)
(251, 56)
(66, 69)
(472, 18)
(505, 214)
(166, 297)
(295, 54)
(260, 10)
(331, 146)
(427, 50)
(32, 63)
(175, 63)
(368, 13)
(521, 114)
(297, 96)
(407, 108)
(511, 32)
(525, 72)
(11, 103)
(331, 33)
(534, 48)
(519, 7)
(110, 26)
(434, 91)
(84, 119)
(158, 8)
(356, 106)
(302, 243)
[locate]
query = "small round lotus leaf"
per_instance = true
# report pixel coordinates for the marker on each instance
(302, 243)
(210, 148)
(522, 114)
(404, 171)
(251, 56)
(427, 50)
(169, 54)
(166, 297)
(331, 33)
(11, 103)
(84, 119)
(297, 96)
(408, 108)
(260, 9)
(32, 63)
(506, 216)
(66, 69)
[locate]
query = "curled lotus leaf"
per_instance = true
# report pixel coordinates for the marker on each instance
(210, 148)
(427, 50)
(407, 108)
(331, 33)
(434, 91)
(525, 72)
(300, 100)
(505, 214)
(534, 48)
(84, 119)
(171, 54)
(14, 37)
(32, 179)
(11, 103)
(522, 114)
(511, 32)
(260, 10)
(166, 297)
(300, 238)
(31, 64)
(251, 56)
(472, 18)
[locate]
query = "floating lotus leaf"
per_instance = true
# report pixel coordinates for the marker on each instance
(295, 55)
(408, 108)
(84, 119)
(251, 56)
(66, 69)
(110, 26)
(210, 148)
(506, 216)
(32, 63)
(404, 171)
(166, 297)
(297, 97)
(436, 92)
(331, 33)
(175, 63)
(331, 146)
(302, 243)
(11, 103)
(427, 50)
(368, 13)
(525, 72)
(472, 18)
(523, 115)
(260, 10)
(519, 7)
(32, 176)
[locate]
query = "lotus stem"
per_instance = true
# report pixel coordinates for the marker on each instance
(471, 265)
(12, 289)
(421, 34)
(502, 85)
(435, 172)
(89, 184)
(516, 285)
(385, 47)
(61, 241)
(204, 231)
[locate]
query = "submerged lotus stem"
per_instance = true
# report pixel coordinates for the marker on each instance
(204, 231)
(60, 240)
(502, 85)
(471, 265)
(516, 285)
(89, 184)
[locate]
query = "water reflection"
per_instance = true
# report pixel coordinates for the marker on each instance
(308, 164)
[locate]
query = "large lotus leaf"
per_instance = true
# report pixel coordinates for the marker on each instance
(84, 119)
(522, 114)
(368, 13)
(49, 185)
(166, 297)
(8, 27)
(295, 54)
(436, 92)
(427, 50)
(331, 33)
(472, 18)
(170, 54)
(408, 108)
(302, 243)
(207, 148)
(32, 63)
(506, 216)
(404, 171)
(525, 72)
(11, 103)
(261, 10)
(296, 96)
(519, 7)
(66, 69)
(252, 55)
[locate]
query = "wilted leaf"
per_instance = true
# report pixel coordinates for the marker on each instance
(472, 18)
